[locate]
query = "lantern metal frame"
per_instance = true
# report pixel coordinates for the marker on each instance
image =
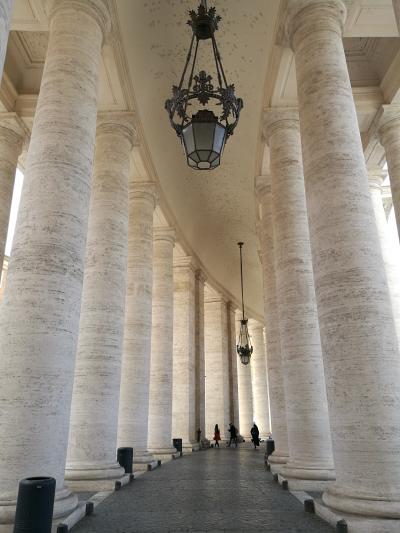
(204, 24)
(244, 347)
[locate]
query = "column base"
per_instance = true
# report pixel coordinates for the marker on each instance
(311, 473)
(189, 447)
(96, 477)
(65, 502)
(364, 504)
(277, 457)
(165, 454)
(143, 460)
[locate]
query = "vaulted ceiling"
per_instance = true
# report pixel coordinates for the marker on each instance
(211, 210)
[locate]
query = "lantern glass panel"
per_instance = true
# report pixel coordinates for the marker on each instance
(219, 139)
(204, 135)
(188, 139)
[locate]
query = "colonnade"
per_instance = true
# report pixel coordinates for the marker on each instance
(108, 337)
(330, 285)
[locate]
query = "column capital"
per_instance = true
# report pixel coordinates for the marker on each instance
(200, 276)
(166, 233)
(211, 295)
(376, 177)
(389, 119)
(305, 17)
(98, 9)
(277, 118)
(185, 261)
(262, 185)
(12, 126)
(255, 324)
(144, 189)
(118, 123)
(232, 307)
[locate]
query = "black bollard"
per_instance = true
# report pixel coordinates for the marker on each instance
(177, 444)
(125, 459)
(341, 526)
(34, 512)
(89, 508)
(269, 447)
(309, 506)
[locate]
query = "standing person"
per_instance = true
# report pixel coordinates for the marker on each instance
(255, 436)
(233, 435)
(217, 435)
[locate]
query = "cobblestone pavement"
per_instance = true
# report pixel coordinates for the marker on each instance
(214, 490)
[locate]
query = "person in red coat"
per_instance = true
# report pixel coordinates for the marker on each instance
(217, 435)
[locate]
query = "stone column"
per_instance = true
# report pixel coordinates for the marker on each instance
(245, 390)
(376, 176)
(184, 356)
(217, 363)
(200, 362)
(396, 7)
(91, 458)
(135, 371)
(259, 378)
(275, 376)
(160, 399)
(309, 440)
(266, 370)
(39, 315)
(5, 19)
(389, 136)
(361, 359)
(233, 374)
(12, 134)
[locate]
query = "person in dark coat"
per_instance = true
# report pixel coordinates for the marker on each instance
(255, 436)
(233, 435)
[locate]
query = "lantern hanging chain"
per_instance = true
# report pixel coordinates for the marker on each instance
(191, 78)
(218, 56)
(241, 276)
(216, 62)
(189, 55)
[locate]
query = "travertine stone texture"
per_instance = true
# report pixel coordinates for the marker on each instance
(361, 359)
(184, 356)
(310, 448)
(376, 176)
(233, 357)
(12, 136)
(245, 389)
(135, 371)
(259, 378)
(389, 136)
(266, 369)
(5, 18)
(396, 7)
(217, 363)
(40, 312)
(91, 457)
(275, 377)
(160, 398)
(200, 362)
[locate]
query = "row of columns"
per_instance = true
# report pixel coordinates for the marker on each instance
(105, 341)
(331, 292)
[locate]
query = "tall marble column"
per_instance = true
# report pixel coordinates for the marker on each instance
(12, 134)
(361, 359)
(259, 378)
(39, 314)
(376, 176)
(275, 376)
(396, 7)
(389, 136)
(91, 458)
(309, 440)
(200, 357)
(135, 371)
(245, 390)
(217, 363)
(161, 362)
(184, 356)
(5, 19)
(233, 357)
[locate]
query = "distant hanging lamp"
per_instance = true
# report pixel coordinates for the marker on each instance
(243, 347)
(203, 134)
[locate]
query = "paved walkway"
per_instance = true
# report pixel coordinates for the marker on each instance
(214, 490)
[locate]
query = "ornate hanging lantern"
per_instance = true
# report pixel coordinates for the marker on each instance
(203, 134)
(243, 347)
